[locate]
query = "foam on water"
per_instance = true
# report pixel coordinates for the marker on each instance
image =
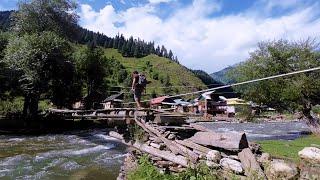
(60, 155)
(105, 137)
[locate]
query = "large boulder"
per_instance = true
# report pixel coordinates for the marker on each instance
(278, 169)
(231, 165)
(214, 156)
(264, 159)
(310, 154)
(309, 171)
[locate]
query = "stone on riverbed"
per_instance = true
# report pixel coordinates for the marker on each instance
(278, 169)
(212, 164)
(230, 164)
(264, 158)
(310, 154)
(214, 156)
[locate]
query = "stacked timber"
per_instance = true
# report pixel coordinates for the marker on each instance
(175, 148)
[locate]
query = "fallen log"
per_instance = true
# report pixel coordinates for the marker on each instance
(189, 154)
(229, 141)
(178, 159)
(167, 142)
(158, 146)
(194, 146)
(250, 164)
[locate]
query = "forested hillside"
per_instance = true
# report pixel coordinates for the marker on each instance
(223, 76)
(166, 76)
(61, 63)
(5, 20)
(127, 47)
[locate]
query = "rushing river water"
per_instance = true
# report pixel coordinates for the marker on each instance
(75, 155)
(94, 155)
(263, 131)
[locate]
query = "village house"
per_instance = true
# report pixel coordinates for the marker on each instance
(114, 101)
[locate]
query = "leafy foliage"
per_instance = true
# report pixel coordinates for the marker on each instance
(44, 15)
(5, 20)
(42, 60)
(146, 170)
(298, 92)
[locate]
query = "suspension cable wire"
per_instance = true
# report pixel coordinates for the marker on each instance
(240, 83)
(162, 87)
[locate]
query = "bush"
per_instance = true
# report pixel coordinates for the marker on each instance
(136, 132)
(11, 106)
(245, 113)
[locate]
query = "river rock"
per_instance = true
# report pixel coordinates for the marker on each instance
(171, 136)
(214, 156)
(309, 171)
(212, 164)
(255, 147)
(278, 169)
(264, 158)
(310, 154)
(230, 164)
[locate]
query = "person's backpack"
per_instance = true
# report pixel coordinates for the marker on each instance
(142, 81)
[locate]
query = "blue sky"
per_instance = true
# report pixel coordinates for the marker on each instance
(204, 34)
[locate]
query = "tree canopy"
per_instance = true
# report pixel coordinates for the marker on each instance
(295, 93)
(46, 15)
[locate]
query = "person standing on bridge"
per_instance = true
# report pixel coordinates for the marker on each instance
(139, 83)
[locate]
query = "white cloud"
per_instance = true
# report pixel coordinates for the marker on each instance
(159, 1)
(201, 41)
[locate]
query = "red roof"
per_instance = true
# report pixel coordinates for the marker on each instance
(160, 100)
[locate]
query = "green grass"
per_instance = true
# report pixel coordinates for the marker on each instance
(153, 65)
(288, 149)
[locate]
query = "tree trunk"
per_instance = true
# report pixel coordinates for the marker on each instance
(30, 106)
(312, 122)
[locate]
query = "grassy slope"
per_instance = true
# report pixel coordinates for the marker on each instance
(289, 149)
(179, 76)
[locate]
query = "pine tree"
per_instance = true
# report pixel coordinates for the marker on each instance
(170, 55)
(158, 52)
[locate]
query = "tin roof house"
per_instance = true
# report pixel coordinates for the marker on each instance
(114, 101)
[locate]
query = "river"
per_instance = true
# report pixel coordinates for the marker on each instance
(74, 155)
(92, 154)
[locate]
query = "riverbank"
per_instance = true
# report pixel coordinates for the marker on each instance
(288, 150)
(283, 154)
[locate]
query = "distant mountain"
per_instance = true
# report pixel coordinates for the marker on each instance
(221, 76)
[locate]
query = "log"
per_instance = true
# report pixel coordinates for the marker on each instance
(189, 154)
(158, 146)
(178, 159)
(229, 141)
(152, 130)
(250, 164)
(194, 146)
(164, 163)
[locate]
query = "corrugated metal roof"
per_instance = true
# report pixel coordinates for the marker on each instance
(160, 100)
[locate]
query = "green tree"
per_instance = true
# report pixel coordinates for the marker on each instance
(46, 15)
(3, 70)
(167, 84)
(295, 93)
(92, 68)
(39, 59)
